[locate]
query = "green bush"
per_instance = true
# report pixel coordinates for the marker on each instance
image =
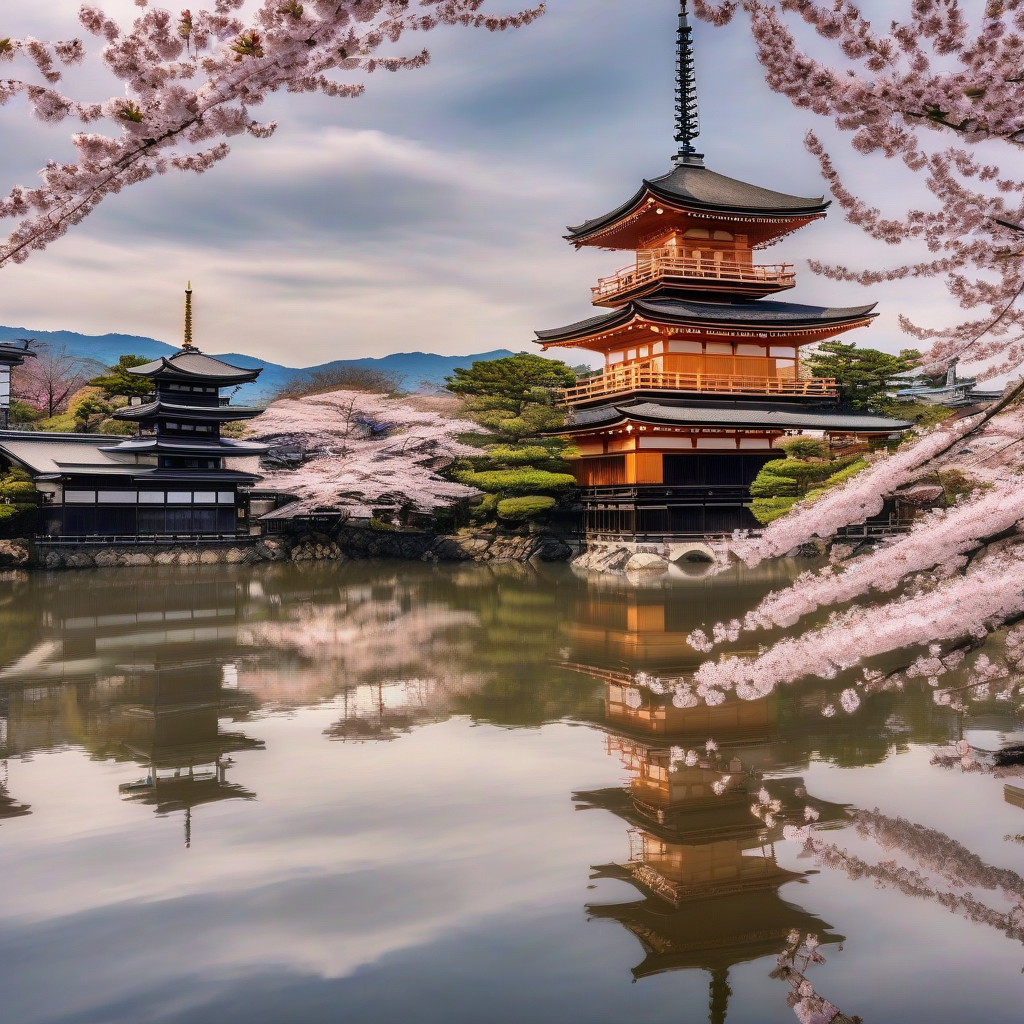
(518, 481)
(485, 511)
(804, 447)
(520, 509)
(18, 491)
(768, 485)
(767, 510)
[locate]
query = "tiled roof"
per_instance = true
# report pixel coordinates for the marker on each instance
(684, 311)
(782, 418)
(691, 185)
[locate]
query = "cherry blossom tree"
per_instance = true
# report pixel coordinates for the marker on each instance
(191, 80)
(935, 92)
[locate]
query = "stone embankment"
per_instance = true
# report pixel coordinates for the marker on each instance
(342, 544)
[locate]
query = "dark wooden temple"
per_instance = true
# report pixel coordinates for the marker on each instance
(174, 479)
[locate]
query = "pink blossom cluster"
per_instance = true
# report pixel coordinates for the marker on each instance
(942, 538)
(971, 604)
(191, 80)
(346, 467)
(896, 91)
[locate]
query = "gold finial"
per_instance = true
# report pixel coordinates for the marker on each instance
(187, 344)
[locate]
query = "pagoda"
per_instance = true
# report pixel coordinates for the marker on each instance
(172, 479)
(702, 372)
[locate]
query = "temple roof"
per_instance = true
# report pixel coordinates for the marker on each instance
(194, 365)
(674, 311)
(693, 186)
(51, 456)
(222, 448)
(212, 413)
(740, 416)
(14, 355)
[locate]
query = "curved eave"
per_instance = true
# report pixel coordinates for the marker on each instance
(206, 413)
(156, 446)
(777, 316)
(582, 233)
(652, 414)
(11, 356)
(165, 369)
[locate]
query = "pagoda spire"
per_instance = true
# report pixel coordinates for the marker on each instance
(687, 115)
(187, 345)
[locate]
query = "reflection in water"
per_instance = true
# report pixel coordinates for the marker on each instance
(192, 684)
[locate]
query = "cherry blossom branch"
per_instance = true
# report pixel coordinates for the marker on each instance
(192, 82)
(926, 74)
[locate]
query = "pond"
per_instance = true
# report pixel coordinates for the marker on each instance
(397, 791)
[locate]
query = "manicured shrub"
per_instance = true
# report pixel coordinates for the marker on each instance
(804, 447)
(18, 491)
(767, 510)
(518, 481)
(520, 509)
(769, 485)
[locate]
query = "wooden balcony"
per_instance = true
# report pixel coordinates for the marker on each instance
(655, 267)
(635, 378)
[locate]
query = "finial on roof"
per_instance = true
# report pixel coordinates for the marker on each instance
(187, 344)
(687, 115)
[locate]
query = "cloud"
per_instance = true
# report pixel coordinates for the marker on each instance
(429, 213)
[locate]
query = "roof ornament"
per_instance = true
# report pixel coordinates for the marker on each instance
(187, 345)
(687, 114)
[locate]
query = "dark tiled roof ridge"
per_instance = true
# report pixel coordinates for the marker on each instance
(763, 311)
(699, 186)
(654, 412)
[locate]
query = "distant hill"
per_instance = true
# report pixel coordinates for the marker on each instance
(412, 368)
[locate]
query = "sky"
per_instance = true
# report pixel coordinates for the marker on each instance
(428, 214)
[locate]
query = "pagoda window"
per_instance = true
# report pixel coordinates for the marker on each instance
(226, 497)
(615, 357)
(723, 236)
(631, 354)
(80, 497)
(782, 352)
(179, 497)
(751, 350)
(205, 497)
(187, 426)
(151, 497)
(644, 352)
(657, 348)
(171, 426)
(697, 233)
(117, 497)
(686, 346)
(719, 348)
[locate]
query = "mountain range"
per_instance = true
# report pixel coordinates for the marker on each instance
(410, 368)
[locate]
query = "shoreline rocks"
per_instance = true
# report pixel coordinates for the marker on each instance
(343, 544)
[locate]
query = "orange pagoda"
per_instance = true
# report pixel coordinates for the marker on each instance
(702, 371)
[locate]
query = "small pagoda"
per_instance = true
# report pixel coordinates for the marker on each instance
(172, 480)
(702, 373)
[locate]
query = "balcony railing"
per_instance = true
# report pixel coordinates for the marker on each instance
(642, 378)
(655, 264)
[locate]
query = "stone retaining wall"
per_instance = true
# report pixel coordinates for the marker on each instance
(345, 543)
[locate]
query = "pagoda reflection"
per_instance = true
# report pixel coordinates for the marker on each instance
(169, 722)
(705, 866)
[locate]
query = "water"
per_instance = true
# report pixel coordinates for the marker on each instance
(392, 792)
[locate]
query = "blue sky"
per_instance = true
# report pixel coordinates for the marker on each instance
(428, 214)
